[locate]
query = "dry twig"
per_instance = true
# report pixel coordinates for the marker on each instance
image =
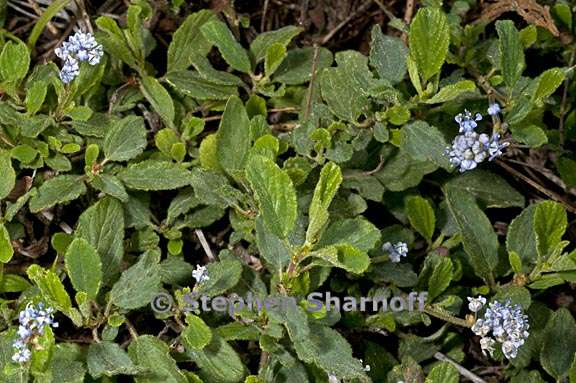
(463, 371)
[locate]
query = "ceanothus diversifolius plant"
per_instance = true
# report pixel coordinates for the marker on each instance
(381, 176)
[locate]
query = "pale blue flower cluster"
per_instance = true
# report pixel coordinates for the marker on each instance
(470, 148)
(200, 274)
(396, 251)
(32, 323)
(502, 323)
(79, 47)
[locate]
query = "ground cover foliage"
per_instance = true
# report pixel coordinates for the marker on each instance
(155, 151)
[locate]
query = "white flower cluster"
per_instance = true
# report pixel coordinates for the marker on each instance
(502, 323)
(32, 322)
(79, 47)
(397, 251)
(200, 274)
(470, 148)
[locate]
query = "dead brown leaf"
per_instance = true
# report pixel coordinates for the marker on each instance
(529, 10)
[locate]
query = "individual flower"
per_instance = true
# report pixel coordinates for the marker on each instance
(79, 47)
(505, 324)
(200, 274)
(495, 147)
(397, 251)
(33, 321)
(466, 121)
(494, 109)
(333, 379)
(475, 304)
(487, 345)
(366, 367)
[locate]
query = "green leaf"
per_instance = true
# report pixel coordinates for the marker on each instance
(102, 225)
(515, 262)
(126, 139)
(263, 41)
(159, 98)
(272, 249)
(181, 204)
(187, 41)
(219, 362)
(489, 188)
(559, 348)
(208, 73)
(479, 240)
(8, 179)
(35, 96)
(224, 275)
(115, 42)
(330, 351)
(275, 54)
(213, 188)
(14, 61)
(12, 283)
(567, 169)
(233, 137)
(548, 82)
(67, 371)
(443, 373)
(421, 216)
(326, 188)
(196, 335)
(153, 356)
(110, 185)
(138, 284)
(297, 66)
(452, 92)
(512, 62)
(357, 232)
(217, 33)
(208, 153)
(57, 190)
(53, 291)
(442, 273)
(135, 33)
(413, 74)
(155, 175)
(388, 56)
(193, 85)
(429, 29)
(345, 87)
(346, 257)
(84, 267)
(275, 193)
(424, 142)
(108, 359)
(531, 135)
(550, 223)
(165, 139)
(515, 294)
(6, 250)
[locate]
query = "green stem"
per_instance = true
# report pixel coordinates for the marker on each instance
(380, 259)
(446, 317)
